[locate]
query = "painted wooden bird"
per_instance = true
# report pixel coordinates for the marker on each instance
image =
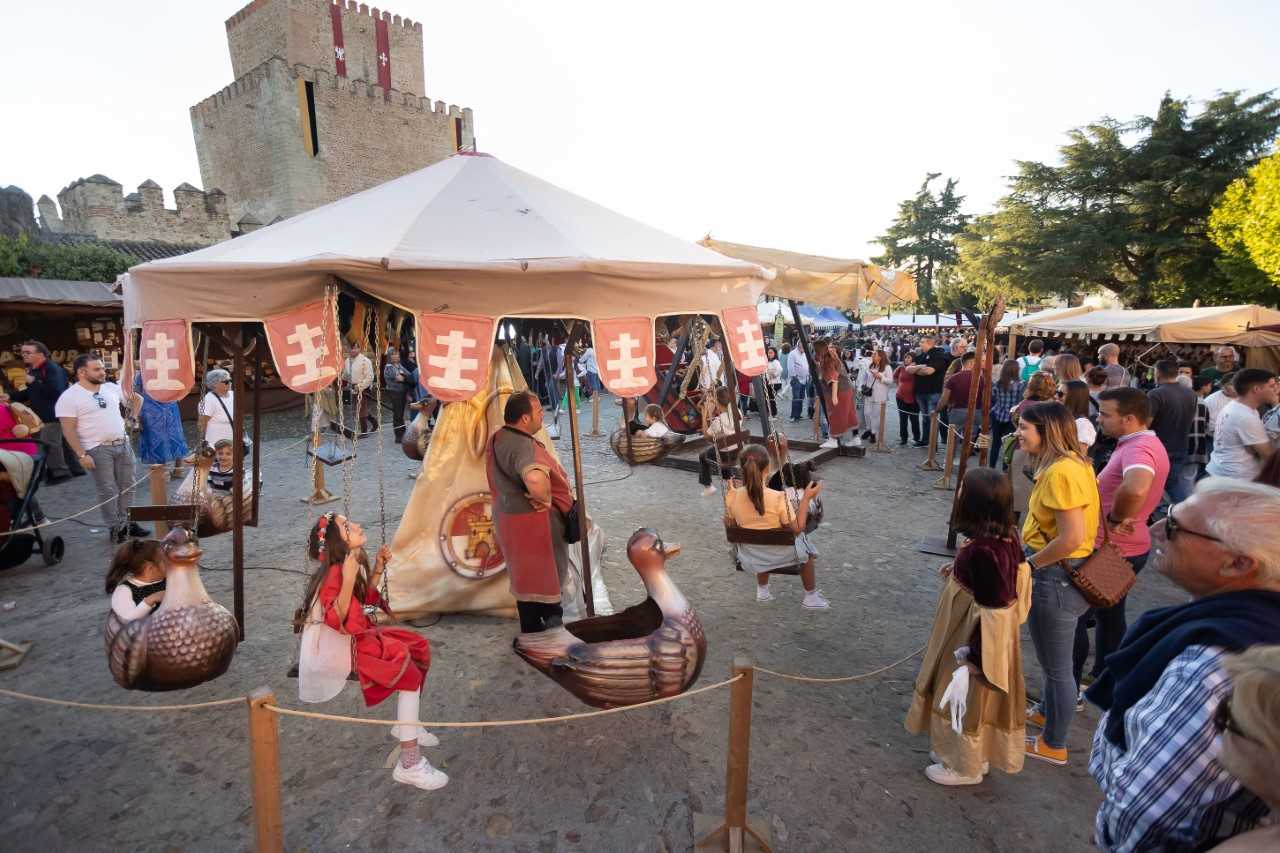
(651, 650)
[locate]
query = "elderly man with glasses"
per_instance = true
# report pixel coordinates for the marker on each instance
(1156, 749)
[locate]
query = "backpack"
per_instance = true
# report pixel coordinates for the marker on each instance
(1029, 368)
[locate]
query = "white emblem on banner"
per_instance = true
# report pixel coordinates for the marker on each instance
(751, 347)
(310, 354)
(627, 363)
(454, 362)
(162, 364)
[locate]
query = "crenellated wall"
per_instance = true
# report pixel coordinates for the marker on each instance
(253, 137)
(97, 205)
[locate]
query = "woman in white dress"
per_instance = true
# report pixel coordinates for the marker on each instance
(878, 375)
(214, 422)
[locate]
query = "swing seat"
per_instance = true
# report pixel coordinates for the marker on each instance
(644, 448)
(736, 535)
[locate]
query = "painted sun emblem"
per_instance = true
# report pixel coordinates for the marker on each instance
(468, 542)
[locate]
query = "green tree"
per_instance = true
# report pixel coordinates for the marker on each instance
(1127, 208)
(1246, 227)
(23, 257)
(922, 236)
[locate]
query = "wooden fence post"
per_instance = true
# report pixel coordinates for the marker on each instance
(159, 495)
(264, 769)
(734, 833)
(931, 463)
(881, 447)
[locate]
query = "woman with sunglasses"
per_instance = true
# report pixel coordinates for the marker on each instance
(1248, 721)
(1058, 533)
(214, 421)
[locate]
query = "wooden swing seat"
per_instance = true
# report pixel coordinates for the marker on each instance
(644, 448)
(736, 535)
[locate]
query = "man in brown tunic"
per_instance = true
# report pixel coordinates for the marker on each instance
(530, 500)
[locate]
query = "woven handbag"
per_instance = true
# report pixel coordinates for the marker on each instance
(1105, 577)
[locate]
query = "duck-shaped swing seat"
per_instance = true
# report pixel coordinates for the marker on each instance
(643, 448)
(649, 651)
(188, 640)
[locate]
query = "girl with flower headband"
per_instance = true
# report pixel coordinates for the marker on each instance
(340, 636)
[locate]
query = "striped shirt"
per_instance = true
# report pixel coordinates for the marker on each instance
(1004, 399)
(1168, 791)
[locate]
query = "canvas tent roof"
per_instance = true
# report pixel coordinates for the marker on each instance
(838, 282)
(1226, 324)
(52, 291)
(932, 321)
(469, 234)
(1026, 321)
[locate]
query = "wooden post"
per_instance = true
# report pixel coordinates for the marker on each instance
(629, 407)
(931, 463)
(733, 833)
(814, 375)
(571, 353)
(762, 403)
(595, 414)
(264, 770)
(881, 447)
(159, 494)
(944, 482)
(255, 477)
(237, 481)
(984, 342)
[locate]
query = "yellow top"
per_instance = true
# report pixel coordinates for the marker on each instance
(777, 510)
(1066, 484)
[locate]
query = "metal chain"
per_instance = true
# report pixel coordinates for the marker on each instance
(382, 492)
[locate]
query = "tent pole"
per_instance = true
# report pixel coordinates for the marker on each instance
(257, 420)
(571, 353)
(669, 379)
(237, 482)
(814, 376)
(762, 403)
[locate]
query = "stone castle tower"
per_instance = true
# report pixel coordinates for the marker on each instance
(327, 101)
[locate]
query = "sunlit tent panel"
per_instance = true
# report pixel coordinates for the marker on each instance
(1244, 325)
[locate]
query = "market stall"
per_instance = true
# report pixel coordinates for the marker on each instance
(69, 317)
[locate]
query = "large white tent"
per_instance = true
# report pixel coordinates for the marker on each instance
(1243, 325)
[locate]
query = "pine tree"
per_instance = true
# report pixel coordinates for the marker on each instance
(922, 236)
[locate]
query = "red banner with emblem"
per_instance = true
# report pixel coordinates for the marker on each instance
(384, 56)
(339, 47)
(745, 339)
(304, 345)
(625, 355)
(453, 354)
(165, 361)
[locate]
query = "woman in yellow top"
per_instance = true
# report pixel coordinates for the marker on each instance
(754, 506)
(1057, 533)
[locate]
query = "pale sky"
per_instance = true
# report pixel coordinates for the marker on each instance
(797, 125)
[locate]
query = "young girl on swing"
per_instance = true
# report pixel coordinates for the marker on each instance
(135, 580)
(753, 506)
(386, 660)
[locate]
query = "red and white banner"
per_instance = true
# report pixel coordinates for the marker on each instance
(745, 339)
(453, 354)
(339, 49)
(625, 355)
(383, 41)
(167, 366)
(304, 345)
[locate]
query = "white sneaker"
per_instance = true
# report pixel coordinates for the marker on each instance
(815, 601)
(763, 594)
(941, 774)
(829, 443)
(933, 756)
(421, 775)
(709, 491)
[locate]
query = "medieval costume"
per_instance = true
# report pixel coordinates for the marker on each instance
(531, 539)
(985, 600)
(842, 414)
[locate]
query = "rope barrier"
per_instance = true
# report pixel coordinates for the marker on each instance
(839, 678)
(90, 706)
(480, 724)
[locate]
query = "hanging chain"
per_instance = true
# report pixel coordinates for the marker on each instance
(378, 436)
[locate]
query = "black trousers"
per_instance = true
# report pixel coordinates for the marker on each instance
(397, 401)
(536, 616)
(908, 413)
(707, 463)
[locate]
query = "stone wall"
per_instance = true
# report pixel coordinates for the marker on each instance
(301, 33)
(97, 205)
(252, 141)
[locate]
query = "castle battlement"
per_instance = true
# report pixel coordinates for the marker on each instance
(350, 7)
(97, 205)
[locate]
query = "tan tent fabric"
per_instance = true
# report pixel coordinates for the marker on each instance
(1227, 324)
(1020, 325)
(819, 280)
(468, 235)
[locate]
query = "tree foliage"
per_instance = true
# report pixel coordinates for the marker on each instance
(1126, 209)
(922, 236)
(22, 257)
(1246, 227)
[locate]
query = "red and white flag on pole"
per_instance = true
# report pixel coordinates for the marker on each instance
(167, 366)
(745, 339)
(453, 354)
(625, 354)
(129, 369)
(304, 345)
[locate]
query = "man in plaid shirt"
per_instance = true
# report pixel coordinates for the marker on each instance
(1155, 752)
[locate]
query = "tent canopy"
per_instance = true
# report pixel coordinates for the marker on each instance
(1226, 324)
(838, 282)
(933, 321)
(52, 291)
(1020, 325)
(469, 234)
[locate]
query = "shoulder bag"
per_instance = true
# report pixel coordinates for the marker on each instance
(244, 437)
(1105, 577)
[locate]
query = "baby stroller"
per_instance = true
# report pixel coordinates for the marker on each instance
(17, 513)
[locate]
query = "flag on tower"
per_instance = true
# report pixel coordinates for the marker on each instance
(167, 367)
(383, 42)
(453, 354)
(745, 339)
(625, 353)
(304, 345)
(339, 48)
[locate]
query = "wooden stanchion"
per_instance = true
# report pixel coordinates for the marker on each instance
(159, 495)
(735, 832)
(931, 463)
(595, 414)
(264, 768)
(944, 482)
(881, 447)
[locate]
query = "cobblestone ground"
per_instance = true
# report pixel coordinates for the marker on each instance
(831, 766)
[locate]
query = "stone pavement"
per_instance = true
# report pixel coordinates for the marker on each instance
(831, 766)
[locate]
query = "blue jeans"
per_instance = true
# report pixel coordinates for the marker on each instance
(928, 403)
(1176, 486)
(1056, 607)
(798, 391)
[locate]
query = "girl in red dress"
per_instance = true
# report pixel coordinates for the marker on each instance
(342, 596)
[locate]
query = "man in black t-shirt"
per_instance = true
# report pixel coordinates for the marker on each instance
(1173, 409)
(929, 369)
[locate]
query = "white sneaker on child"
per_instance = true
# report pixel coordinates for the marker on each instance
(421, 775)
(763, 594)
(941, 774)
(815, 601)
(708, 491)
(933, 756)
